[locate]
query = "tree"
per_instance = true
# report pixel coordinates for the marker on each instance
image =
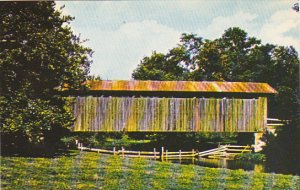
(93, 77)
(158, 67)
(39, 54)
(282, 151)
(175, 65)
(225, 58)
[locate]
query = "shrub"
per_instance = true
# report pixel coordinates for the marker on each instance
(256, 157)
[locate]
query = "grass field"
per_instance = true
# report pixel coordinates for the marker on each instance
(87, 170)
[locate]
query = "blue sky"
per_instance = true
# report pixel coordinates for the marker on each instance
(121, 33)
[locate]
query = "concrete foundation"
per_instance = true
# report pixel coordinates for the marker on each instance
(258, 143)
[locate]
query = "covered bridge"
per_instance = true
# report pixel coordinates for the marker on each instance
(167, 106)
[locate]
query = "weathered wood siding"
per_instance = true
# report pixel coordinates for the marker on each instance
(150, 114)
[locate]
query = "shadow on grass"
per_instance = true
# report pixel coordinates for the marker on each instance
(38, 152)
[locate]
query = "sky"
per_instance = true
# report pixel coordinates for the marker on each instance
(122, 33)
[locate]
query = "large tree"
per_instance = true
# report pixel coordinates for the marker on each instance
(233, 57)
(39, 54)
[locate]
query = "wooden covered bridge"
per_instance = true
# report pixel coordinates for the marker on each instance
(171, 106)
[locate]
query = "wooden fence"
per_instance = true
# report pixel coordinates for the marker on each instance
(166, 155)
(123, 152)
(154, 114)
(224, 151)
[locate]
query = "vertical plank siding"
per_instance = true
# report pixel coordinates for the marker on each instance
(153, 114)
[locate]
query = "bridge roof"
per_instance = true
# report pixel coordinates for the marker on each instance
(181, 86)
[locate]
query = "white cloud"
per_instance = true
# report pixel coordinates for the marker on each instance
(118, 53)
(276, 28)
(273, 30)
(220, 24)
(64, 10)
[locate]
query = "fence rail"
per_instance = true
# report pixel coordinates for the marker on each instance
(225, 151)
(272, 122)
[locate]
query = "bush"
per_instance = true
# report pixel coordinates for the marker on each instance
(256, 157)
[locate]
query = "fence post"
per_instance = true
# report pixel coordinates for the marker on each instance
(162, 153)
(193, 158)
(154, 153)
(122, 151)
(139, 154)
(114, 150)
(180, 155)
(166, 155)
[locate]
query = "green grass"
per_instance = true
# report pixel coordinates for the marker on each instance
(87, 170)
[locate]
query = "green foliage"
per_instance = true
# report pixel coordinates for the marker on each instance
(69, 142)
(175, 65)
(38, 55)
(94, 77)
(254, 157)
(105, 140)
(86, 170)
(283, 150)
(158, 67)
(125, 141)
(36, 118)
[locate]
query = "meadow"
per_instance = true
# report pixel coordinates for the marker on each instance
(88, 170)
